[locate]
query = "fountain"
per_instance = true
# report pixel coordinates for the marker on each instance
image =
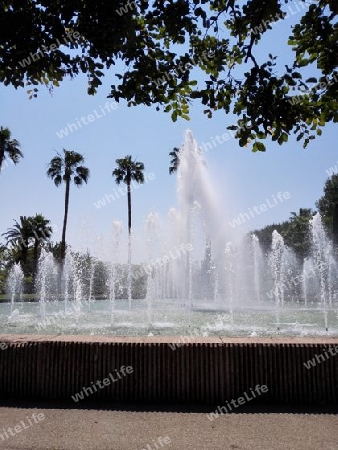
(192, 278)
(203, 312)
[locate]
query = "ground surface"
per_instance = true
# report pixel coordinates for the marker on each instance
(128, 429)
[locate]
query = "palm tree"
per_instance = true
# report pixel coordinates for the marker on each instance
(29, 230)
(127, 171)
(19, 237)
(174, 160)
(67, 168)
(327, 205)
(42, 232)
(9, 147)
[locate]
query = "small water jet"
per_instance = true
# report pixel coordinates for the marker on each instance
(114, 281)
(15, 284)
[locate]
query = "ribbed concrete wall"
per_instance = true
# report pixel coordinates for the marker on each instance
(203, 371)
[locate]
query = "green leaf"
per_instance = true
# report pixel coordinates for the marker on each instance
(258, 147)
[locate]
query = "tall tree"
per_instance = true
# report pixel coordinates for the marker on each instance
(67, 169)
(297, 235)
(127, 171)
(326, 203)
(9, 147)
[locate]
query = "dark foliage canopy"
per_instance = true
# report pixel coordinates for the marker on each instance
(158, 45)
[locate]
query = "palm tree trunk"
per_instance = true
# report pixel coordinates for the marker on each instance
(129, 208)
(129, 280)
(129, 245)
(24, 257)
(63, 241)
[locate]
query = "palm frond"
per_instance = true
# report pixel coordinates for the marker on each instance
(13, 151)
(174, 160)
(55, 170)
(128, 170)
(63, 168)
(119, 175)
(72, 159)
(9, 147)
(82, 175)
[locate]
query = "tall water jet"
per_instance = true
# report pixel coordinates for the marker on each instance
(153, 269)
(307, 270)
(46, 281)
(229, 272)
(129, 280)
(323, 259)
(117, 226)
(114, 281)
(110, 283)
(257, 266)
(186, 198)
(208, 274)
(66, 272)
(276, 262)
(15, 283)
(196, 208)
(333, 280)
(91, 279)
(173, 240)
(76, 282)
(78, 267)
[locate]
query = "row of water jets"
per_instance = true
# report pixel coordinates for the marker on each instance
(243, 278)
(200, 266)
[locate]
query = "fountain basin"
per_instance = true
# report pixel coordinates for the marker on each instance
(168, 318)
(167, 370)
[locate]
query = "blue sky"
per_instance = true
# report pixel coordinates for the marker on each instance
(242, 179)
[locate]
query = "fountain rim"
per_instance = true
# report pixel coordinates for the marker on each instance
(182, 340)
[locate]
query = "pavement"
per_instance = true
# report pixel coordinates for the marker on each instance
(55, 427)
